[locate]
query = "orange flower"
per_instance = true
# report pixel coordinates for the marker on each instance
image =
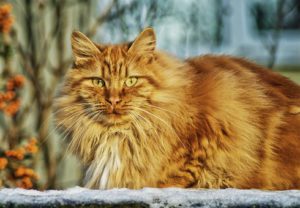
(31, 147)
(15, 82)
(2, 105)
(5, 9)
(20, 171)
(28, 172)
(17, 154)
(32, 140)
(12, 108)
(9, 95)
(19, 80)
(3, 163)
(1, 96)
(9, 110)
(10, 85)
(6, 20)
(25, 183)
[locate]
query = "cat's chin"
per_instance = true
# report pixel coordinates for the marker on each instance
(113, 119)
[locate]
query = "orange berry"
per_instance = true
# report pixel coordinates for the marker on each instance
(8, 111)
(19, 184)
(20, 153)
(20, 172)
(32, 140)
(24, 183)
(9, 153)
(29, 172)
(6, 19)
(19, 80)
(5, 8)
(1, 96)
(27, 182)
(9, 95)
(2, 105)
(12, 108)
(17, 154)
(10, 85)
(17, 102)
(32, 148)
(3, 163)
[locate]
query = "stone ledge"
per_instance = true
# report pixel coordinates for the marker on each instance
(149, 197)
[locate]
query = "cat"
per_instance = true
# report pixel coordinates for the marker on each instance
(138, 117)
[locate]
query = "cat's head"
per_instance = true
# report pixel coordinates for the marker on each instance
(129, 90)
(112, 80)
(116, 86)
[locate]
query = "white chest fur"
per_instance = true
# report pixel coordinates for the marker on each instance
(107, 160)
(123, 156)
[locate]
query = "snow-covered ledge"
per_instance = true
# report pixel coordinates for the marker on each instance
(149, 197)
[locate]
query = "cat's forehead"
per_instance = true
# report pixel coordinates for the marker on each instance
(113, 61)
(113, 54)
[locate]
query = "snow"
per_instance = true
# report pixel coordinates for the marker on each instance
(150, 197)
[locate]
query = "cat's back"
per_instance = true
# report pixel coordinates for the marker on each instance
(276, 85)
(257, 107)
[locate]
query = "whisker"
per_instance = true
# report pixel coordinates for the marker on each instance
(162, 109)
(153, 129)
(57, 126)
(73, 112)
(80, 133)
(160, 119)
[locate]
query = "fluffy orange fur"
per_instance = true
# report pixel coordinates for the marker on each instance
(138, 117)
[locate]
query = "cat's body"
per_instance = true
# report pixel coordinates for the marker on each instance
(208, 122)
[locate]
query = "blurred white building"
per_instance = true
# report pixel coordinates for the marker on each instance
(246, 40)
(193, 27)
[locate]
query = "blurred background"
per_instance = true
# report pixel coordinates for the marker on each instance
(35, 53)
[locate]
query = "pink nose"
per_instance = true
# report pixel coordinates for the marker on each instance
(114, 100)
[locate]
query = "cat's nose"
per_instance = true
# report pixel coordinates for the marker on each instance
(113, 100)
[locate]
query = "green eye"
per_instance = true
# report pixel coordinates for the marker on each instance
(98, 82)
(131, 81)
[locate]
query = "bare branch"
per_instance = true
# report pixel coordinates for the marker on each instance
(99, 20)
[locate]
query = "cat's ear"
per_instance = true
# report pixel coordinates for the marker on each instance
(83, 48)
(144, 44)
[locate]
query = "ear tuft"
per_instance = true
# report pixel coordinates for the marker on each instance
(83, 48)
(145, 43)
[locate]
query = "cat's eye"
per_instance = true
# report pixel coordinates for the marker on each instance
(131, 81)
(98, 82)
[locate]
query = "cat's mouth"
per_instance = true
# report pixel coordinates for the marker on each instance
(115, 117)
(112, 117)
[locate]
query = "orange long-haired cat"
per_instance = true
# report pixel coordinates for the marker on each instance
(138, 117)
